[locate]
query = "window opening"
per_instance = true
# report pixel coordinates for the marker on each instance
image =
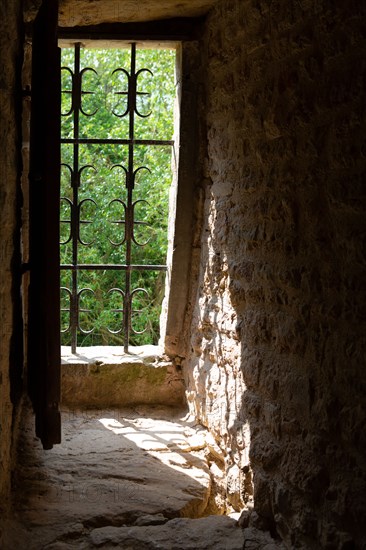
(114, 195)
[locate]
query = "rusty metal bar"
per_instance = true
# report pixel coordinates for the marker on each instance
(120, 267)
(76, 99)
(130, 183)
(115, 141)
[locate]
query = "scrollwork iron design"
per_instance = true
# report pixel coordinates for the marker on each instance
(127, 219)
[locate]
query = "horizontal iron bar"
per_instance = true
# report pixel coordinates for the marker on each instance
(118, 267)
(119, 141)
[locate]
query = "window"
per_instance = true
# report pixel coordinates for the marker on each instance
(116, 152)
(42, 294)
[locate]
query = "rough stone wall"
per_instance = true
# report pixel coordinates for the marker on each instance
(187, 194)
(277, 369)
(10, 166)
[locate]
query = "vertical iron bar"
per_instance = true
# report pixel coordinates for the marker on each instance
(76, 99)
(130, 182)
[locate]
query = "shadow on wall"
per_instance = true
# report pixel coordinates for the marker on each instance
(214, 378)
(278, 331)
(261, 373)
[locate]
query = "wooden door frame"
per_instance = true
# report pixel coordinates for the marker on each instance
(44, 361)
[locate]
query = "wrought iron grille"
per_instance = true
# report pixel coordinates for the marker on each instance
(81, 207)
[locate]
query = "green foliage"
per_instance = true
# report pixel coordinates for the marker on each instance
(104, 182)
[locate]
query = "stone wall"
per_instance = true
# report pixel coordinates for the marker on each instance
(276, 369)
(10, 167)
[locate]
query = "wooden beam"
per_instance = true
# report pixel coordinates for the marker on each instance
(177, 29)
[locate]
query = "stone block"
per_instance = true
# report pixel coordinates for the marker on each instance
(105, 376)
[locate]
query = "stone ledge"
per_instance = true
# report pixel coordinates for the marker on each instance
(105, 376)
(110, 355)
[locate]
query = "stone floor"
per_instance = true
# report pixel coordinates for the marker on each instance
(129, 479)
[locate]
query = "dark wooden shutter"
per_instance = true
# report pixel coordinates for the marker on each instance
(44, 359)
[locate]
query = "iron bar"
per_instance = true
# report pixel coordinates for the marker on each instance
(116, 141)
(75, 182)
(131, 106)
(117, 267)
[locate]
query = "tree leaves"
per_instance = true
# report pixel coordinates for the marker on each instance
(102, 190)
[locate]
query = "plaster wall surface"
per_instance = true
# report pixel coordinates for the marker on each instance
(10, 104)
(277, 364)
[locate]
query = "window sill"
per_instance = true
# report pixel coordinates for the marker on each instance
(105, 376)
(110, 355)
